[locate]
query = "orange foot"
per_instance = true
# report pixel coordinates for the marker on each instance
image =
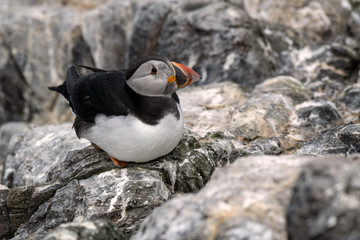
(96, 146)
(117, 162)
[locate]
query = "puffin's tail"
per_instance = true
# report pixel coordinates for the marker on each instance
(65, 89)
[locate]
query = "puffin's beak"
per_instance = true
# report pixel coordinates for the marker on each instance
(184, 75)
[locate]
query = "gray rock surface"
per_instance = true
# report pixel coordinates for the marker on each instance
(35, 152)
(241, 201)
(216, 49)
(317, 113)
(326, 201)
(269, 110)
(229, 47)
(5, 227)
(96, 230)
(111, 20)
(319, 20)
(351, 97)
(280, 77)
(82, 184)
(210, 108)
(341, 140)
(8, 130)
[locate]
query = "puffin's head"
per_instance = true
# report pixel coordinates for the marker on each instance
(157, 76)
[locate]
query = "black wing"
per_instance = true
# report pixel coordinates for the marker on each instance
(100, 93)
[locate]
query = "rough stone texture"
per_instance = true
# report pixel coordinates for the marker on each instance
(110, 20)
(13, 105)
(350, 136)
(82, 184)
(211, 45)
(96, 230)
(147, 24)
(326, 201)
(201, 105)
(218, 39)
(35, 152)
(39, 41)
(339, 140)
(317, 113)
(319, 20)
(8, 130)
(351, 97)
(4, 213)
(295, 65)
(241, 201)
(327, 69)
(267, 112)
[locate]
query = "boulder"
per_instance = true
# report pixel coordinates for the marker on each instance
(5, 226)
(8, 130)
(327, 69)
(317, 113)
(201, 105)
(325, 203)
(210, 45)
(319, 20)
(41, 42)
(245, 200)
(111, 20)
(341, 140)
(76, 184)
(268, 110)
(36, 152)
(95, 230)
(351, 97)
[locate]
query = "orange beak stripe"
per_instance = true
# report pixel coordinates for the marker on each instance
(171, 79)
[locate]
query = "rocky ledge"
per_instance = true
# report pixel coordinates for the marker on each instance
(272, 140)
(52, 178)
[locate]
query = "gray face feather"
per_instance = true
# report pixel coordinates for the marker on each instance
(151, 79)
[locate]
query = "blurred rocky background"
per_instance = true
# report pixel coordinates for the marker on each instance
(281, 79)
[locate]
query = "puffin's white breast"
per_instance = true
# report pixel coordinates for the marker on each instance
(129, 139)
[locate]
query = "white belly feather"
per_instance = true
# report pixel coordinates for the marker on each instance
(128, 139)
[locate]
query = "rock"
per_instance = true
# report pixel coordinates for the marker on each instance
(76, 184)
(109, 20)
(96, 230)
(40, 41)
(350, 136)
(211, 45)
(8, 130)
(271, 146)
(317, 113)
(267, 112)
(351, 97)
(354, 19)
(337, 140)
(148, 22)
(55, 143)
(328, 68)
(287, 86)
(13, 104)
(319, 20)
(4, 214)
(235, 203)
(272, 84)
(232, 47)
(201, 105)
(326, 201)
(19, 201)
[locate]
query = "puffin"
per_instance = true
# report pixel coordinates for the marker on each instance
(132, 114)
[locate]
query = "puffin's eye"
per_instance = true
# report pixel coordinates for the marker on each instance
(153, 71)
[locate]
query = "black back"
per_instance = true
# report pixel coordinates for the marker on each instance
(106, 92)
